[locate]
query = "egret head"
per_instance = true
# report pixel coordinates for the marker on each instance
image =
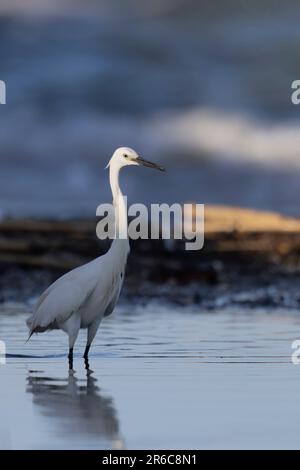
(125, 156)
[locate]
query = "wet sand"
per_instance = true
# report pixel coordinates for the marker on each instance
(163, 377)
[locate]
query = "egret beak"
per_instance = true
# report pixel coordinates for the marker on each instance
(143, 162)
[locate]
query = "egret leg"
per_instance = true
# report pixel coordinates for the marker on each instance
(92, 330)
(86, 357)
(71, 327)
(70, 357)
(86, 351)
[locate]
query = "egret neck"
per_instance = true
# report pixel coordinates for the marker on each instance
(120, 243)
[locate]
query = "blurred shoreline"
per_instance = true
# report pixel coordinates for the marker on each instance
(250, 258)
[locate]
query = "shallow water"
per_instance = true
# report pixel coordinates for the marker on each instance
(163, 378)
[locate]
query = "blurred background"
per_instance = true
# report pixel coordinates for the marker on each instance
(201, 86)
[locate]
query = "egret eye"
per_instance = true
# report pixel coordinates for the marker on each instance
(125, 155)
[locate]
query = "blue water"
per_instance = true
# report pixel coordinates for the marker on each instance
(162, 378)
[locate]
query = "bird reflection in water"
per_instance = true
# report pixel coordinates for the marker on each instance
(77, 405)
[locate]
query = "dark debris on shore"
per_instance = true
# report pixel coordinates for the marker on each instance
(235, 268)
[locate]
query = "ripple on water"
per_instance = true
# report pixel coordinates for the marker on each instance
(162, 377)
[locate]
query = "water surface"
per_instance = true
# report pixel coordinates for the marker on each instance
(162, 378)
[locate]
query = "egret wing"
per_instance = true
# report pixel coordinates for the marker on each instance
(59, 302)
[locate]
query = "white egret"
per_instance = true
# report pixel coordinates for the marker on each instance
(83, 296)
